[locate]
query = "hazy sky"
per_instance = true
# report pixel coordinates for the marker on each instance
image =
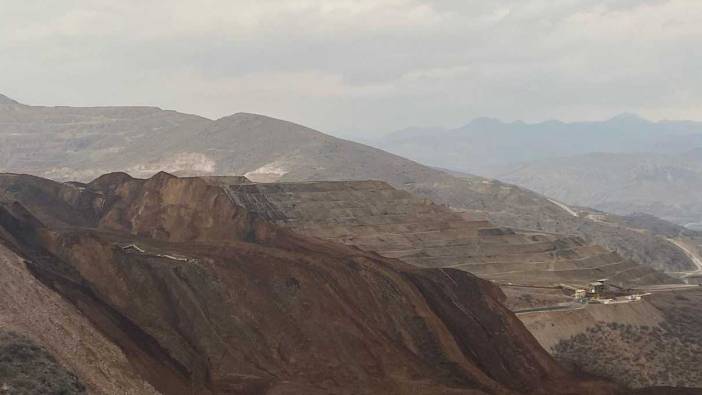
(360, 66)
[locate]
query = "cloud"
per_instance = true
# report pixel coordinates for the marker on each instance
(360, 66)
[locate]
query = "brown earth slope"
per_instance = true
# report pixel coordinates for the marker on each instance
(203, 296)
(635, 343)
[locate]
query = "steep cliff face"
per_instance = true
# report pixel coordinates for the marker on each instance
(203, 296)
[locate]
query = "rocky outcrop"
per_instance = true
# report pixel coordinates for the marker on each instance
(203, 296)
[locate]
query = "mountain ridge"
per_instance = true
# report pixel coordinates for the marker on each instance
(269, 149)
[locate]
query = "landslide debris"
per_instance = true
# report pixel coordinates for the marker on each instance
(203, 296)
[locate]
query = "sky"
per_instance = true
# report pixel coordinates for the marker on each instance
(360, 68)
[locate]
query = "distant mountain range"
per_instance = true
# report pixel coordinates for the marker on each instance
(67, 143)
(623, 165)
(668, 186)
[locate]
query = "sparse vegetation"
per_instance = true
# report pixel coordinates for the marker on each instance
(28, 369)
(669, 354)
